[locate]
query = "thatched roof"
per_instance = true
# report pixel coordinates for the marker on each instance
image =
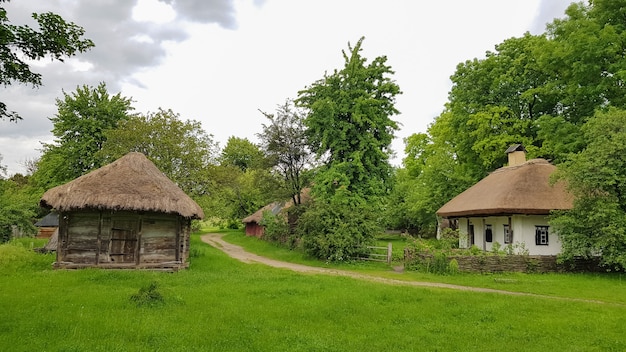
(274, 208)
(130, 183)
(521, 189)
(277, 207)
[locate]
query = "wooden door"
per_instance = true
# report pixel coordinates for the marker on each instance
(123, 243)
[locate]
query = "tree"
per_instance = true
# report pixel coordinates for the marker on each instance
(284, 142)
(3, 169)
(79, 127)
(349, 125)
(55, 38)
(242, 154)
(181, 149)
(538, 90)
(597, 178)
(242, 183)
(17, 208)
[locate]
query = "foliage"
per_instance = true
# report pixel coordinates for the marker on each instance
(537, 90)
(80, 128)
(56, 39)
(337, 230)
(276, 228)
(17, 208)
(597, 179)
(235, 194)
(349, 121)
(181, 149)
(284, 142)
(241, 153)
(148, 296)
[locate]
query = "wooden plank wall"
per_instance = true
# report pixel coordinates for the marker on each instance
(122, 238)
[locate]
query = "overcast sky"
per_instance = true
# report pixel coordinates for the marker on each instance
(220, 61)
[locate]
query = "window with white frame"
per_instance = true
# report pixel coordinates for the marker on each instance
(508, 238)
(541, 235)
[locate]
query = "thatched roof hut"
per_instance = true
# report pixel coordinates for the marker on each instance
(127, 214)
(253, 222)
(131, 183)
(47, 225)
(520, 189)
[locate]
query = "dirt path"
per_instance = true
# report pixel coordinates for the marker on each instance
(237, 252)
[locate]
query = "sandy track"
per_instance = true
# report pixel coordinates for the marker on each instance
(237, 252)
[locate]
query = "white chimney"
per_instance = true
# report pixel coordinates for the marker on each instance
(517, 154)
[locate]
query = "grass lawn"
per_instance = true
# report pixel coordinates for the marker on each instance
(220, 304)
(605, 287)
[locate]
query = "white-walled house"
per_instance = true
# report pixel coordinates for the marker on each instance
(511, 206)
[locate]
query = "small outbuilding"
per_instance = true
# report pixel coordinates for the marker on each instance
(127, 214)
(511, 206)
(252, 222)
(48, 225)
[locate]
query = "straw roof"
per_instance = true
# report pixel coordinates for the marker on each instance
(276, 207)
(130, 183)
(521, 189)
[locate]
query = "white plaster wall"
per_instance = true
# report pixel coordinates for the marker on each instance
(523, 232)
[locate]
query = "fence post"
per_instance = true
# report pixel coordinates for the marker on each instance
(389, 253)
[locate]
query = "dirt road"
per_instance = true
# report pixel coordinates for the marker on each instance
(237, 252)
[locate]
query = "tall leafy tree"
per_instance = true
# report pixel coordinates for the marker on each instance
(538, 90)
(597, 178)
(350, 126)
(242, 183)
(285, 144)
(55, 38)
(181, 149)
(80, 124)
(242, 154)
(349, 121)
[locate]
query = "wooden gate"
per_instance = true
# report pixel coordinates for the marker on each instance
(379, 254)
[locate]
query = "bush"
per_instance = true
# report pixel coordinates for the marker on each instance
(336, 231)
(148, 296)
(276, 229)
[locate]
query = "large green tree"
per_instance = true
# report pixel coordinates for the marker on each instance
(181, 149)
(538, 90)
(242, 154)
(80, 124)
(349, 126)
(284, 143)
(350, 121)
(597, 178)
(55, 38)
(242, 182)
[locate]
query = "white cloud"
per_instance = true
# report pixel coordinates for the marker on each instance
(220, 61)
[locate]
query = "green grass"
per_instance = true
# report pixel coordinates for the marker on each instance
(606, 287)
(220, 304)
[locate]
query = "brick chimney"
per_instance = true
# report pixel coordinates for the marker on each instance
(517, 154)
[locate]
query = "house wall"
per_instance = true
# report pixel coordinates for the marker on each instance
(254, 229)
(122, 239)
(523, 227)
(45, 231)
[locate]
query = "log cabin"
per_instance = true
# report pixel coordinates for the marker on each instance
(125, 215)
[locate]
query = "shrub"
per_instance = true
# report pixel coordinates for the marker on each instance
(276, 228)
(449, 238)
(335, 231)
(148, 296)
